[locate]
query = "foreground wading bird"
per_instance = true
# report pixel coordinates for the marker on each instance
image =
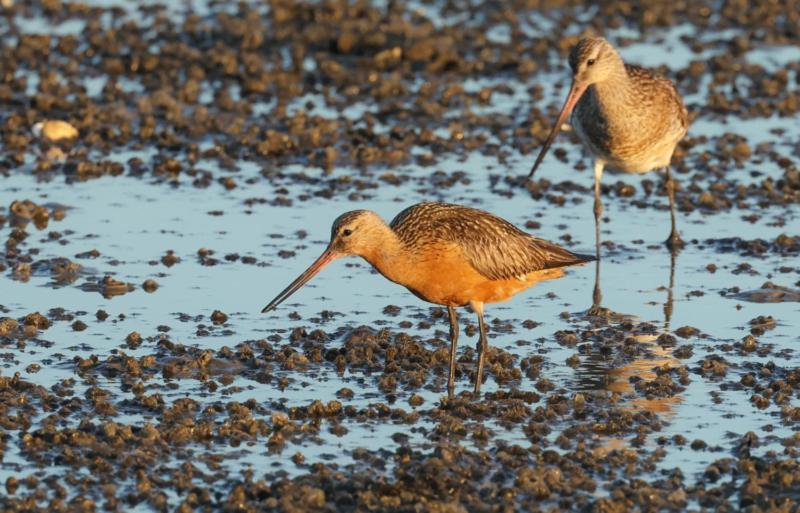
(629, 119)
(445, 254)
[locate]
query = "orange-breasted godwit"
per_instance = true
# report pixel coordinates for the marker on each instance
(448, 255)
(629, 119)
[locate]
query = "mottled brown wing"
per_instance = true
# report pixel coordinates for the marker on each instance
(664, 88)
(493, 246)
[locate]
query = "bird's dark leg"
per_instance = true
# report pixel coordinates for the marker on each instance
(597, 295)
(483, 346)
(674, 242)
(453, 340)
(598, 203)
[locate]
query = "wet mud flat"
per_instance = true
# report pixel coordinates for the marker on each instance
(208, 146)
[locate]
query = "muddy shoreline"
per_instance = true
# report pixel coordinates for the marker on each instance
(212, 144)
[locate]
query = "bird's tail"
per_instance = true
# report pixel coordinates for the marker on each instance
(584, 258)
(560, 257)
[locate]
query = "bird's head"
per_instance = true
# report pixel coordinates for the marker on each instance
(593, 60)
(356, 232)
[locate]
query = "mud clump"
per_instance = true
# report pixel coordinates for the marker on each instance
(150, 285)
(770, 293)
(218, 317)
(23, 212)
(170, 259)
(108, 287)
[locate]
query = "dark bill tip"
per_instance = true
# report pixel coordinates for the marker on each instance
(324, 259)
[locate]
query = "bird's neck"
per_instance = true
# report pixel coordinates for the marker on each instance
(389, 256)
(615, 89)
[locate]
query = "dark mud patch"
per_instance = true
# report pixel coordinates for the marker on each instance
(769, 293)
(783, 246)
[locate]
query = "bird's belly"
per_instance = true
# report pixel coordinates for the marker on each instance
(440, 277)
(637, 165)
(453, 287)
(461, 289)
(624, 150)
(494, 291)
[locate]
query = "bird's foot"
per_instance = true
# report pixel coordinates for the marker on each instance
(598, 311)
(674, 242)
(603, 315)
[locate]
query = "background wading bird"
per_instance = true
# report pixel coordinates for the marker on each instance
(448, 255)
(629, 119)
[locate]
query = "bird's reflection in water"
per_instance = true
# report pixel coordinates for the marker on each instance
(633, 354)
(598, 310)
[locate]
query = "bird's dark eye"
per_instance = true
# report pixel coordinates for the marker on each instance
(347, 232)
(590, 62)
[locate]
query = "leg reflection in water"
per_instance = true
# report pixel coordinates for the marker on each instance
(597, 309)
(630, 359)
(668, 304)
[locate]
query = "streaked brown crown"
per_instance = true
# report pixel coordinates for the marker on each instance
(583, 49)
(344, 220)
